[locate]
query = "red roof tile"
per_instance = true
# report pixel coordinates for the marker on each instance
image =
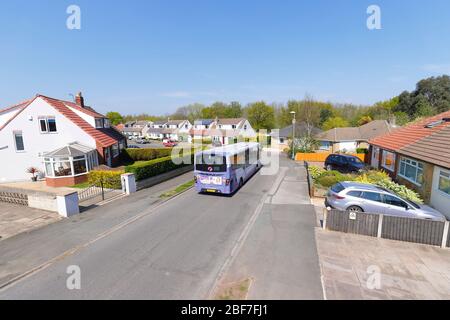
(404, 136)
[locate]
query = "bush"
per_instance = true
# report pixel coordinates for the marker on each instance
(316, 172)
(155, 167)
(382, 179)
(330, 180)
(147, 153)
(202, 141)
(362, 151)
(110, 179)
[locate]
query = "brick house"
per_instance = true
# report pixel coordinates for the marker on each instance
(418, 156)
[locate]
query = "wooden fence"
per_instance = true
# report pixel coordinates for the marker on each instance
(322, 156)
(422, 231)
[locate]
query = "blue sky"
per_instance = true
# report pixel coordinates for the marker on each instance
(155, 55)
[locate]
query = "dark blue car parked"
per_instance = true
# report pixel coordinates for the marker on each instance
(344, 163)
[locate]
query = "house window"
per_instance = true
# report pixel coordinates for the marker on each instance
(282, 140)
(79, 165)
(47, 124)
(99, 123)
(233, 126)
(411, 170)
(324, 145)
(388, 160)
(444, 182)
(18, 139)
(245, 127)
(115, 150)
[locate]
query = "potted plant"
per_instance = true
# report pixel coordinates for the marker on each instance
(34, 171)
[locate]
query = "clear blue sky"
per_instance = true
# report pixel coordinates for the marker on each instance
(155, 55)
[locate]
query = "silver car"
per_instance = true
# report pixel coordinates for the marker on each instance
(359, 197)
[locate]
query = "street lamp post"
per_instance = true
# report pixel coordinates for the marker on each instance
(293, 135)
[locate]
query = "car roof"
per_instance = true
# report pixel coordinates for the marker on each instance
(343, 155)
(362, 186)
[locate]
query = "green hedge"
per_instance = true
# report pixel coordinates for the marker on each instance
(148, 169)
(110, 179)
(362, 151)
(147, 153)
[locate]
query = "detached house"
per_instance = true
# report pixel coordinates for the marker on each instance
(135, 129)
(64, 140)
(350, 138)
(418, 156)
(223, 131)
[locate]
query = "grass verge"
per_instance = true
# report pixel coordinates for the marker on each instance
(177, 190)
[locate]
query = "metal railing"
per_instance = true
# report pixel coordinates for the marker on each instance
(93, 191)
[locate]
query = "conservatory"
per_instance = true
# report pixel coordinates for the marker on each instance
(69, 165)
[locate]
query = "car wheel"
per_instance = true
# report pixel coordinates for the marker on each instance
(329, 167)
(241, 183)
(355, 209)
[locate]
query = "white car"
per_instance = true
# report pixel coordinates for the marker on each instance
(359, 197)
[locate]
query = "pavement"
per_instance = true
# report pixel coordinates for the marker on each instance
(351, 263)
(405, 271)
(280, 254)
(142, 248)
(15, 219)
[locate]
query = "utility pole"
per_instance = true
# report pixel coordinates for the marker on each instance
(293, 135)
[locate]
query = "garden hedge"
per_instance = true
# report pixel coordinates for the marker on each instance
(148, 169)
(110, 179)
(147, 153)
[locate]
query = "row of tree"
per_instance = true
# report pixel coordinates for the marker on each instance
(430, 97)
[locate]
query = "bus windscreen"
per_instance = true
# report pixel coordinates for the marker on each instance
(210, 163)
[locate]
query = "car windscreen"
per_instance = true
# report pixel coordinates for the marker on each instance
(210, 163)
(338, 187)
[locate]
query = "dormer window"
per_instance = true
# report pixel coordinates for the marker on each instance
(99, 123)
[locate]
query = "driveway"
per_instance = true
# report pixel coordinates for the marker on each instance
(15, 219)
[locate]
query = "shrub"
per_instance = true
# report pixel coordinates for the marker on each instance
(155, 167)
(202, 141)
(362, 150)
(110, 179)
(330, 180)
(382, 179)
(147, 153)
(316, 172)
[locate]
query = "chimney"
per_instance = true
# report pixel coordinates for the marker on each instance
(79, 100)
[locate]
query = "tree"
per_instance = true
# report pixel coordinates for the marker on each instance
(260, 115)
(364, 120)
(431, 96)
(114, 117)
(335, 122)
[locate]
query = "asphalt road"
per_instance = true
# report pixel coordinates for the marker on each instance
(174, 252)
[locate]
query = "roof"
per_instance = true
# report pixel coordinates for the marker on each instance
(131, 129)
(174, 122)
(404, 136)
(300, 130)
(231, 121)
(72, 150)
(204, 122)
(363, 133)
(155, 130)
(104, 137)
(159, 123)
(16, 106)
(431, 148)
(215, 132)
(20, 107)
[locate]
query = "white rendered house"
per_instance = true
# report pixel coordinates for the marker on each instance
(64, 140)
